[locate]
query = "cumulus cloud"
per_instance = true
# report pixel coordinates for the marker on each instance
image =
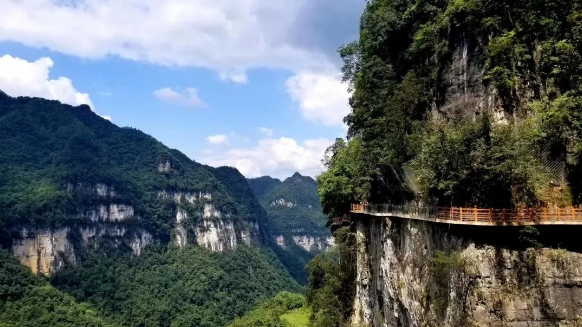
(217, 139)
(322, 97)
(266, 131)
(275, 157)
(227, 36)
(19, 77)
(187, 98)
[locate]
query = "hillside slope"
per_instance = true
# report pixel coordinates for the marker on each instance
(142, 233)
(262, 185)
(70, 179)
(27, 300)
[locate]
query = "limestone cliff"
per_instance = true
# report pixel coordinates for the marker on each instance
(45, 250)
(75, 181)
(310, 243)
(417, 273)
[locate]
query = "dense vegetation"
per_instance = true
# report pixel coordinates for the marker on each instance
(299, 215)
(513, 131)
(284, 310)
(186, 287)
(46, 147)
(262, 185)
(29, 301)
(329, 295)
(304, 214)
(331, 288)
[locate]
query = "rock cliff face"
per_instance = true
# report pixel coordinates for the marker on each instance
(46, 250)
(482, 277)
(310, 243)
(76, 181)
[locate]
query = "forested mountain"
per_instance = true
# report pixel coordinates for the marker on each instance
(456, 101)
(142, 233)
(58, 162)
(295, 220)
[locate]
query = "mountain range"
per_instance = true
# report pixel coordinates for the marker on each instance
(137, 233)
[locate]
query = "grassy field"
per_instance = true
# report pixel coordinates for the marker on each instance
(296, 318)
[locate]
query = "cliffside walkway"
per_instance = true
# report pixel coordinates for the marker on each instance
(475, 216)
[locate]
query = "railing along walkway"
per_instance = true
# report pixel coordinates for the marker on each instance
(475, 216)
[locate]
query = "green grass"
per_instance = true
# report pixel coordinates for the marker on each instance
(296, 318)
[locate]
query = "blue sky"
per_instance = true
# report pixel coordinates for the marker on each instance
(253, 84)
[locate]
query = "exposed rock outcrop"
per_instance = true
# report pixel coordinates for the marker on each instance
(483, 278)
(310, 243)
(111, 212)
(44, 251)
(313, 244)
(282, 202)
(188, 196)
(181, 233)
(218, 232)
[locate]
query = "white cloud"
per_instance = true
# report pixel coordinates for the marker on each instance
(188, 98)
(266, 131)
(275, 157)
(224, 35)
(322, 97)
(217, 139)
(19, 77)
(237, 76)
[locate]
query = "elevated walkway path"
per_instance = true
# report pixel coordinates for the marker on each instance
(475, 216)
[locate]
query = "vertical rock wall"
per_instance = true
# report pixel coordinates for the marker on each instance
(483, 278)
(44, 251)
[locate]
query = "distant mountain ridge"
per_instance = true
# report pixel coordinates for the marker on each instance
(295, 219)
